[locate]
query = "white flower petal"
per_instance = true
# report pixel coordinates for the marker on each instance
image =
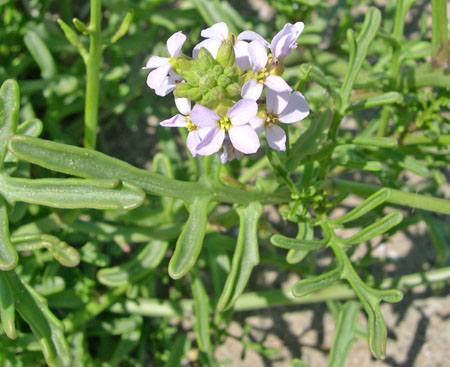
(156, 62)
(183, 105)
(285, 39)
(156, 78)
(244, 138)
(212, 45)
(258, 55)
(174, 43)
(204, 117)
(242, 58)
(175, 121)
(252, 36)
(276, 101)
(212, 142)
(296, 110)
(192, 141)
(276, 137)
(277, 84)
(218, 31)
(257, 123)
(242, 112)
(167, 86)
(252, 90)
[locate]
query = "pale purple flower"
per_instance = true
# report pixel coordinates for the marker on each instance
(163, 79)
(235, 123)
(228, 152)
(284, 40)
(195, 134)
(296, 109)
(252, 89)
(218, 33)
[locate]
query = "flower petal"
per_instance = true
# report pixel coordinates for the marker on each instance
(174, 43)
(252, 90)
(285, 39)
(276, 101)
(296, 110)
(212, 142)
(257, 123)
(242, 112)
(212, 45)
(183, 105)
(156, 62)
(244, 138)
(175, 121)
(276, 137)
(156, 78)
(252, 36)
(218, 31)
(242, 58)
(204, 117)
(192, 141)
(258, 55)
(167, 86)
(277, 84)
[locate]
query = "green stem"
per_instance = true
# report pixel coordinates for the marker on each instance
(420, 139)
(411, 200)
(93, 80)
(438, 25)
(256, 300)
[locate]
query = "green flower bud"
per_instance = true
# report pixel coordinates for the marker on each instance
(204, 59)
(218, 92)
(225, 55)
(208, 81)
(182, 90)
(207, 99)
(191, 78)
(230, 71)
(223, 81)
(233, 89)
(181, 64)
(217, 71)
(194, 94)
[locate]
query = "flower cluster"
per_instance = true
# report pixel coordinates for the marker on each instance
(236, 85)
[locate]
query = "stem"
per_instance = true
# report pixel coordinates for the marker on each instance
(256, 300)
(93, 80)
(420, 139)
(438, 25)
(411, 200)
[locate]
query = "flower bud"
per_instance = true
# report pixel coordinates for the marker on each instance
(217, 71)
(204, 59)
(208, 81)
(194, 94)
(225, 55)
(207, 99)
(191, 77)
(182, 90)
(230, 71)
(181, 64)
(233, 89)
(218, 92)
(223, 81)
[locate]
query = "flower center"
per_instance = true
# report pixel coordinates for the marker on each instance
(225, 123)
(190, 125)
(271, 119)
(262, 75)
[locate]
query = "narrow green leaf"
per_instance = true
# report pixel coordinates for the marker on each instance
(415, 166)
(32, 127)
(375, 141)
(366, 206)
(201, 309)
(375, 229)
(296, 243)
(41, 54)
(439, 25)
(135, 269)
(47, 329)
(362, 165)
(7, 309)
(344, 336)
(178, 350)
(245, 258)
(8, 255)
(66, 255)
(9, 113)
(310, 141)
(124, 26)
(441, 246)
(368, 32)
(305, 232)
(73, 38)
(72, 193)
(309, 285)
(190, 242)
(89, 163)
(381, 100)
